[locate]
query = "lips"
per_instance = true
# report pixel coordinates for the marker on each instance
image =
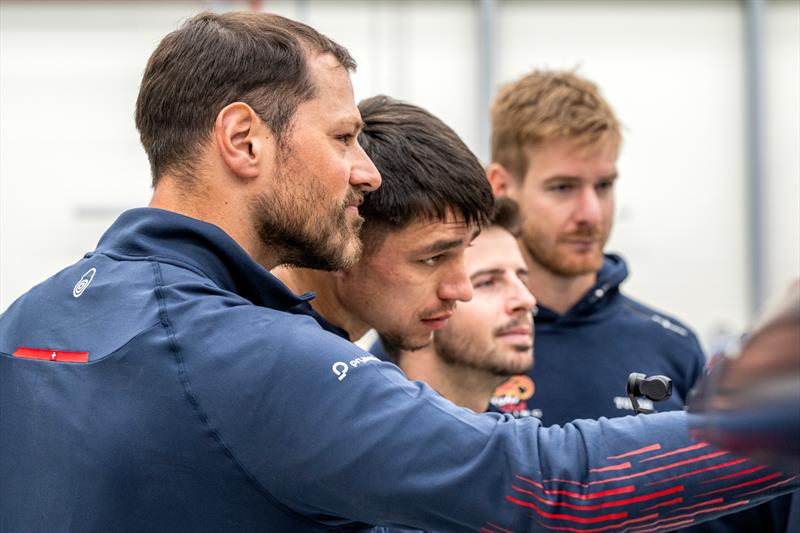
(354, 200)
(437, 321)
(516, 331)
(519, 330)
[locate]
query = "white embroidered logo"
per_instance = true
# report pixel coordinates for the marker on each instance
(340, 369)
(84, 282)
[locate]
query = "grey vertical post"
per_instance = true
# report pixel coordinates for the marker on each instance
(754, 70)
(486, 81)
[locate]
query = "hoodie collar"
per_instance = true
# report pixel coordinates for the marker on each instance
(149, 233)
(597, 299)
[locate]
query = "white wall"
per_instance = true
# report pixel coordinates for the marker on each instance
(782, 135)
(70, 160)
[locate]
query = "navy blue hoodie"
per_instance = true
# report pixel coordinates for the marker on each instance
(167, 382)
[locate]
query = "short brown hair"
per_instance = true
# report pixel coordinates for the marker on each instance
(213, 60)
(544, 106)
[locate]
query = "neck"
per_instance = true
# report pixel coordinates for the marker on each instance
(230, 213)
(554, 291)
(327, 302)
(463, 385)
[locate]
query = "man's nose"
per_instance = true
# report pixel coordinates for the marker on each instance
(456, 285)
(363, 174)
(589, 209)
(520, 298)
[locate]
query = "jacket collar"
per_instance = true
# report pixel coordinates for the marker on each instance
(149, 233)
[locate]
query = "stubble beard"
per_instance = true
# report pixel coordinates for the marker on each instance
(394, 343)
(459, 350)
(288, 223)
(546, 253)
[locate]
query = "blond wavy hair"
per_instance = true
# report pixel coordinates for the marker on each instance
(544, 106)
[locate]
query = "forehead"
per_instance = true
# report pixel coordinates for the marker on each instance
(334, 101)
(494, 249)
(429, 235)
(571, 158)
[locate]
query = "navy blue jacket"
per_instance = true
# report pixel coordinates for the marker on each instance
(166, 382)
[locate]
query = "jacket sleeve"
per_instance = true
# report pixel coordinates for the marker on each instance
(339, 436)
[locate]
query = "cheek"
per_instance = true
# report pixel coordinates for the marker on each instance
(477, 319)
(608, 211)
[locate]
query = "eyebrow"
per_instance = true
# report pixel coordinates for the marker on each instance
(566, 177)
(497, 272)
(442, 246)
(356, 124)
(486, 272)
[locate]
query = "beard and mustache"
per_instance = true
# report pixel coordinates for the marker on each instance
(291, 224)
(546, 250)
(456, 348)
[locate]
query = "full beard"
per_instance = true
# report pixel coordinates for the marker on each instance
(288, 224)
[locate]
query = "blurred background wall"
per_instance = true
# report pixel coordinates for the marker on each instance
(708, 210)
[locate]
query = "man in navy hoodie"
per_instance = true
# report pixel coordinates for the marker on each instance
(555, 142)
(168, 382)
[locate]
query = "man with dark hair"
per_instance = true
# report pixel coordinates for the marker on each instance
(168, 382)
(433, 202)
(415, 245)
(490, 338)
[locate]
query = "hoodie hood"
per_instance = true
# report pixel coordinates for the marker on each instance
(598, 301)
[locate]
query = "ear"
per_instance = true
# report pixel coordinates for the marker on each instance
(243, 139)
(501, 180)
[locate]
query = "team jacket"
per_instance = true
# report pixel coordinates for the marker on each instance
(166, 382)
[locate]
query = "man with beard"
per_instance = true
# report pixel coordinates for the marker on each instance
(555, 143)
(168, 382)
(489, 338)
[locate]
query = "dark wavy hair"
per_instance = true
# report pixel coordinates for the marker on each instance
(427, 171)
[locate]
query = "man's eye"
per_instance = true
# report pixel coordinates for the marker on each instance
(483, 284)
(431, 261)
(605, 185)
(347, 138)
(562, 187)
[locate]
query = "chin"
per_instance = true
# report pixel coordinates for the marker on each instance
(579, 267)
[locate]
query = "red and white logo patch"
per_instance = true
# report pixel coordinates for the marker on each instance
(58, 356)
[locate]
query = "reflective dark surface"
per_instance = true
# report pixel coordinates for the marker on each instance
(750, 400)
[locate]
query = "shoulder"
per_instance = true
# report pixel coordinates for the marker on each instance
(659, 324)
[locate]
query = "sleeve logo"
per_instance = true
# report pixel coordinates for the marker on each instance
(84, 282)
(340, 368)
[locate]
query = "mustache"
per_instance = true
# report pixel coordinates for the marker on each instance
(354, 197)
(428, 313)
(523, 320)
(585, 232)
